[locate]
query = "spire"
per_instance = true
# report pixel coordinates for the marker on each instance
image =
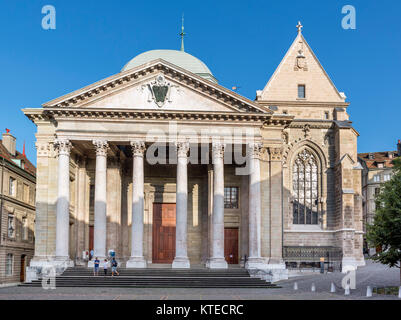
(23, 150)
(299, 27)
(182, 34)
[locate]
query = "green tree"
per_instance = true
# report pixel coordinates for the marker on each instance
(386, 228)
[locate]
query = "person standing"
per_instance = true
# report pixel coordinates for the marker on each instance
(96, 267)
(105, 266)
(114, 265)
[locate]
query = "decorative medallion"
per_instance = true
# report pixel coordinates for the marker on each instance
(301, 63)
(160, 90)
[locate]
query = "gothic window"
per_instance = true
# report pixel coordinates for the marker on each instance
(305, 189)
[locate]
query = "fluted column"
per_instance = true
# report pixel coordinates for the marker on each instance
(255, 260)
(217, 261)
(181, 255)
(137, 259)
(100, 198)
(63, 200)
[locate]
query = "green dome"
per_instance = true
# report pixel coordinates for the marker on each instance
(178, 58)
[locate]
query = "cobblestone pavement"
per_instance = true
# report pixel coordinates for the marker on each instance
(372, 274)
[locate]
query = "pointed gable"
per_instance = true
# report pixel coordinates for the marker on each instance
(300, 66)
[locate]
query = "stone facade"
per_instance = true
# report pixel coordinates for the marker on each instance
(377, 169)
(117, 129)
(17, 211)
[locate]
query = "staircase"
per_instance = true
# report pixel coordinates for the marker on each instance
(157, 278)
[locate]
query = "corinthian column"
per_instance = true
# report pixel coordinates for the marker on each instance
(217, 261)
(181, 256)
(137, 259)
(100, 199)
(255, 260)
(63, 200)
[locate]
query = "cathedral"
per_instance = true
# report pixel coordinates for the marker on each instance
(164, 167)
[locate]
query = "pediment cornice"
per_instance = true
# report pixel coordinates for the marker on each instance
(232, 100)
(56, 114)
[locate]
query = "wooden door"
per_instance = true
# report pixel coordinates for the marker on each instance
(231, 245)
(22, 270)
(163, 235)
(91, 240)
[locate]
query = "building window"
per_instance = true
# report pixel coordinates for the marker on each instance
(24, 228)
(380, 165)
(26, 193)
(386, 177)
(301, 91)
(377, 191)
(305, 189)
(231, 197)
(11, 226)
(326, 115)
(12, 187)
(9, 264)
(376, 178)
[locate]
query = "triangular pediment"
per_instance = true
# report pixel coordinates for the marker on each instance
(157, 85)
(300, 66)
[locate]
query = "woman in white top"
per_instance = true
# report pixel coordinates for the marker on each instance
(105, 266)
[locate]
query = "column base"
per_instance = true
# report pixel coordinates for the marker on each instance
(348, 264)
(181, 263)
(40, 266)
(136, 262)
(255, 263)
(217, 263)
(65, 262)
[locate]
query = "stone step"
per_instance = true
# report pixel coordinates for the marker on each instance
(158, 278)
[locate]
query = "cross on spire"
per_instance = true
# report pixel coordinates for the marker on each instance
(299, 27)
(182, 34)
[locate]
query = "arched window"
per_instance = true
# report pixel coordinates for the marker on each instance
(305, 188)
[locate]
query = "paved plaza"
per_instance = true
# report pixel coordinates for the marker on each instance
(372, 274)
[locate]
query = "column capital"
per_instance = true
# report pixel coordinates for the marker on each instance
(276, 153)
(63, 146)
(101, 147)
(182, 149)
(138, 148)
(43, 148)
(254, 149)
(218, 149)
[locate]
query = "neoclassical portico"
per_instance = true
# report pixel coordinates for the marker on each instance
(137, 259)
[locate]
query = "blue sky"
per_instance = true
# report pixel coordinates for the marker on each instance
(242, 42)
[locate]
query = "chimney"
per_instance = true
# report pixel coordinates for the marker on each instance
(399, 147)
(9, 142)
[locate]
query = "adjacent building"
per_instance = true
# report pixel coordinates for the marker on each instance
(163, 165)
(17, 211)
(377, 169)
